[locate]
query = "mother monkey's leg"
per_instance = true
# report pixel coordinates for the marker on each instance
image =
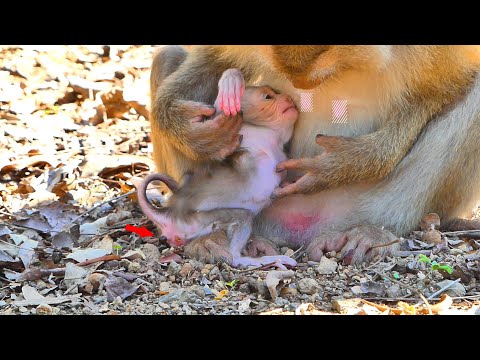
(440, 174)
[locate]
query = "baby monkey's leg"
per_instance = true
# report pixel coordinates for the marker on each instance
(239, 230)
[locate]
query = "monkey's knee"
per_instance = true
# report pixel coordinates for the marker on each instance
(165, 62)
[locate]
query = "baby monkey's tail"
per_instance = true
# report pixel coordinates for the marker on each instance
(157, 215)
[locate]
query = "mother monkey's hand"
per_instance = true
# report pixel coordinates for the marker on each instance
(341, 162)
(181, 110)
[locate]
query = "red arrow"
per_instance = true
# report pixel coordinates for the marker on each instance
(143, 231)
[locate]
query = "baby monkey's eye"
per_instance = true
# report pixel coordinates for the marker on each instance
(268, 97)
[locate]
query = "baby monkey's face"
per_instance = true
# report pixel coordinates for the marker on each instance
(261, 105)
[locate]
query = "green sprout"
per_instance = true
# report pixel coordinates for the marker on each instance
(434, 265)
(232, 283)
(117, 248)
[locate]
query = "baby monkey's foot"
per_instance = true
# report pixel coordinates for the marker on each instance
(278, 261)
(230, 91)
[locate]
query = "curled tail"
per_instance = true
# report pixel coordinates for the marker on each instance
(157, 215)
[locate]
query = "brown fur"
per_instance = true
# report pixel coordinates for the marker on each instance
(413, 124)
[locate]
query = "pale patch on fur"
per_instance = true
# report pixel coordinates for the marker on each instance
(385, 52)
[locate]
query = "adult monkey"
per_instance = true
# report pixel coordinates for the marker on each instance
(410, 146)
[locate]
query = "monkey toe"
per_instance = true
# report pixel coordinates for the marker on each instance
(259, 246)
(367, 243)
(325, 242)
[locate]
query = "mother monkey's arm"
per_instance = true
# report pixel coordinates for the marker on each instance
(428, 81)
(183, 90)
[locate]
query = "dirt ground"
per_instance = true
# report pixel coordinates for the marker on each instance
(73, 132)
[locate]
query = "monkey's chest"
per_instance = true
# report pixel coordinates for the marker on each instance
(263, 180)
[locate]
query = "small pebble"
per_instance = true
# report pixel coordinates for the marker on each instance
(44, 309)
(326, 266)
(185, 270)
(134, 267)
(173, 268)
(307, 286)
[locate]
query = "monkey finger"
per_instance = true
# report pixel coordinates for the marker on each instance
(285, 183)
(218, 122)
(305, 184)
(192, 109)
(305, 164)
(202, 113)
(235, 124)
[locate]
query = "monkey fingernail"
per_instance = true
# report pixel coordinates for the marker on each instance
(347, 259)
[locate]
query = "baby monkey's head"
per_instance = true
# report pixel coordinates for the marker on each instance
(261, 105)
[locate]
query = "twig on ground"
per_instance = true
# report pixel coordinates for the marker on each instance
(471, 233)
(409, 288)
(413, 299)
(101, 258)
(297, 252)
(446, 287)
(406, 253)
(6, 213)
(251, 269)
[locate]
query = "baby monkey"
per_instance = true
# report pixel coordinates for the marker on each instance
(227, 195)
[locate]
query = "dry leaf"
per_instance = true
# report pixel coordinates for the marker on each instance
(169, 258)
(276, 280)
(74, 275)
(221, 294)
(82, 255)
(134, 254)
(33, 298)
(443, 305)
(117, 286)
(25, 248)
